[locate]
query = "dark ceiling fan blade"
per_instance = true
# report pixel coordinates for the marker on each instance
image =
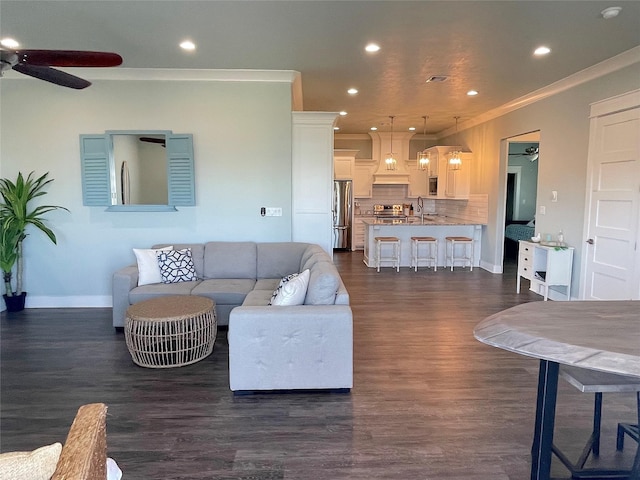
(160, 141)
(69, 58)
(52, 75)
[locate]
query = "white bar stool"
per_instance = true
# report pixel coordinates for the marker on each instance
(394, 242)
(467, 253)
(431, 253)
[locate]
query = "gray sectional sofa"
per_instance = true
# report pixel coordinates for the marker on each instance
(309, 346)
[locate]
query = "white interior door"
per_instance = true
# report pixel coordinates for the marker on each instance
(612, 265)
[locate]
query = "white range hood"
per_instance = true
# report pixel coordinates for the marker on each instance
(381, 145)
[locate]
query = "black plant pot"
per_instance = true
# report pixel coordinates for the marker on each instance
(15, 303)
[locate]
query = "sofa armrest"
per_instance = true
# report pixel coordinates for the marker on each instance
(123, 281)
(292, 347)
(84, 455)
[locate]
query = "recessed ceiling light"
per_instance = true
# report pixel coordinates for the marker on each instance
(411, 129)
(542, 51)
(372, 47)
(9, 43)
(352, 91)
(374, 129)
(336, 128)
(472, 93)
(343, 113)
(188, 45)
(610, 12)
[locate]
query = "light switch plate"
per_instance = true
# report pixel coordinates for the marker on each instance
(274, 212)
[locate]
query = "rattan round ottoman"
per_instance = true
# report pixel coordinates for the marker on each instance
(171, 331)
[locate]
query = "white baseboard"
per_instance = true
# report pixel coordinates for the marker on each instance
(89, 301)
(490, 267)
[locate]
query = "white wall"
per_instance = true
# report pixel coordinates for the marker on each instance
(563, 122)
(242, 148)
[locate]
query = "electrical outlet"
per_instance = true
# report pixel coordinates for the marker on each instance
(274, 212)
(543, 210)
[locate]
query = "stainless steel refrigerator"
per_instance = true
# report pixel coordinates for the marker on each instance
(342, 204)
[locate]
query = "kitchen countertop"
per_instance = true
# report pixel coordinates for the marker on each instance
(429, 220)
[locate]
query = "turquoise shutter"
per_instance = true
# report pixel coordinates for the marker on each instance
(94, 158)
(180, 170)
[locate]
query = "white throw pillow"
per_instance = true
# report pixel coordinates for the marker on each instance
(148, 268)
(36, 465)
(292, 290)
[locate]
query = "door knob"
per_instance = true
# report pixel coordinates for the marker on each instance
(590, 241)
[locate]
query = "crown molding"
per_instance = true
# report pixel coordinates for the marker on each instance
(182, 75)
(610, 65)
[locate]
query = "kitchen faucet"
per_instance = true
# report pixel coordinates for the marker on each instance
(421, 208)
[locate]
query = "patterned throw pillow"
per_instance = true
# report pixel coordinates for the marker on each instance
(176, 266)
(292, 290)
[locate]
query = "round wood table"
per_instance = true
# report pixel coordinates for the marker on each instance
(171, 331)
(602, 336)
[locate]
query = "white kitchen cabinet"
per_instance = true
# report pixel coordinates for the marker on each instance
(418, 182)
(358, 231)
(363, 181)
(458, 182)
(545, 266)
(344, 164)
(451, 183)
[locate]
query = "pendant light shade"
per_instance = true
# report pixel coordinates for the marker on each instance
(455, 158)
(424, 160)
(390, 160)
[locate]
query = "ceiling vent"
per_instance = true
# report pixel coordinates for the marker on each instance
(437, 78)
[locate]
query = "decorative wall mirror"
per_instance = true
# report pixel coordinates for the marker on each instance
(144, 170)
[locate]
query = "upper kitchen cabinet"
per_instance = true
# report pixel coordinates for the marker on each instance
(363, 179)
(418, 181)
(458, 182)
(450, 183)
(344, 164)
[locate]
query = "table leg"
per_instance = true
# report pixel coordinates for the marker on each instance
(635, 469)
(545, 420)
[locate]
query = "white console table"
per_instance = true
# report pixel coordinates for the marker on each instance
(545, 266)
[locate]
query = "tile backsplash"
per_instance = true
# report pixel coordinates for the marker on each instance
(475, 209)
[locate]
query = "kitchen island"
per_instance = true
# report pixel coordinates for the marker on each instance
(436, 226)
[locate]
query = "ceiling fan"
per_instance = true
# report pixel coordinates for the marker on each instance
(38, 63)
(530, 154)
(160, 141)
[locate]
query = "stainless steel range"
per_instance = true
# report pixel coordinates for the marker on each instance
(389, 213)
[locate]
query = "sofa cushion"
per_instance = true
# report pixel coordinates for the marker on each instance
(230, 260)
(227, 291)
(269, 284)
(138, 294)
(197, 254)
(257, 298)
(311, 250)
(315, 258)
(279, 259)
(323, 284)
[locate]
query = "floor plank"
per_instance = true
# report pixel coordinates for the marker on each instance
(429, 401)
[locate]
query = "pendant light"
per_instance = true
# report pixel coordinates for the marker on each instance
(455, 158)
(390, 160)
(424, 157)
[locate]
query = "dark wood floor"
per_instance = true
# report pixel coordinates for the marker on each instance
(429, 401)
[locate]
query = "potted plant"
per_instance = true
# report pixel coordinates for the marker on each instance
(14, 220)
